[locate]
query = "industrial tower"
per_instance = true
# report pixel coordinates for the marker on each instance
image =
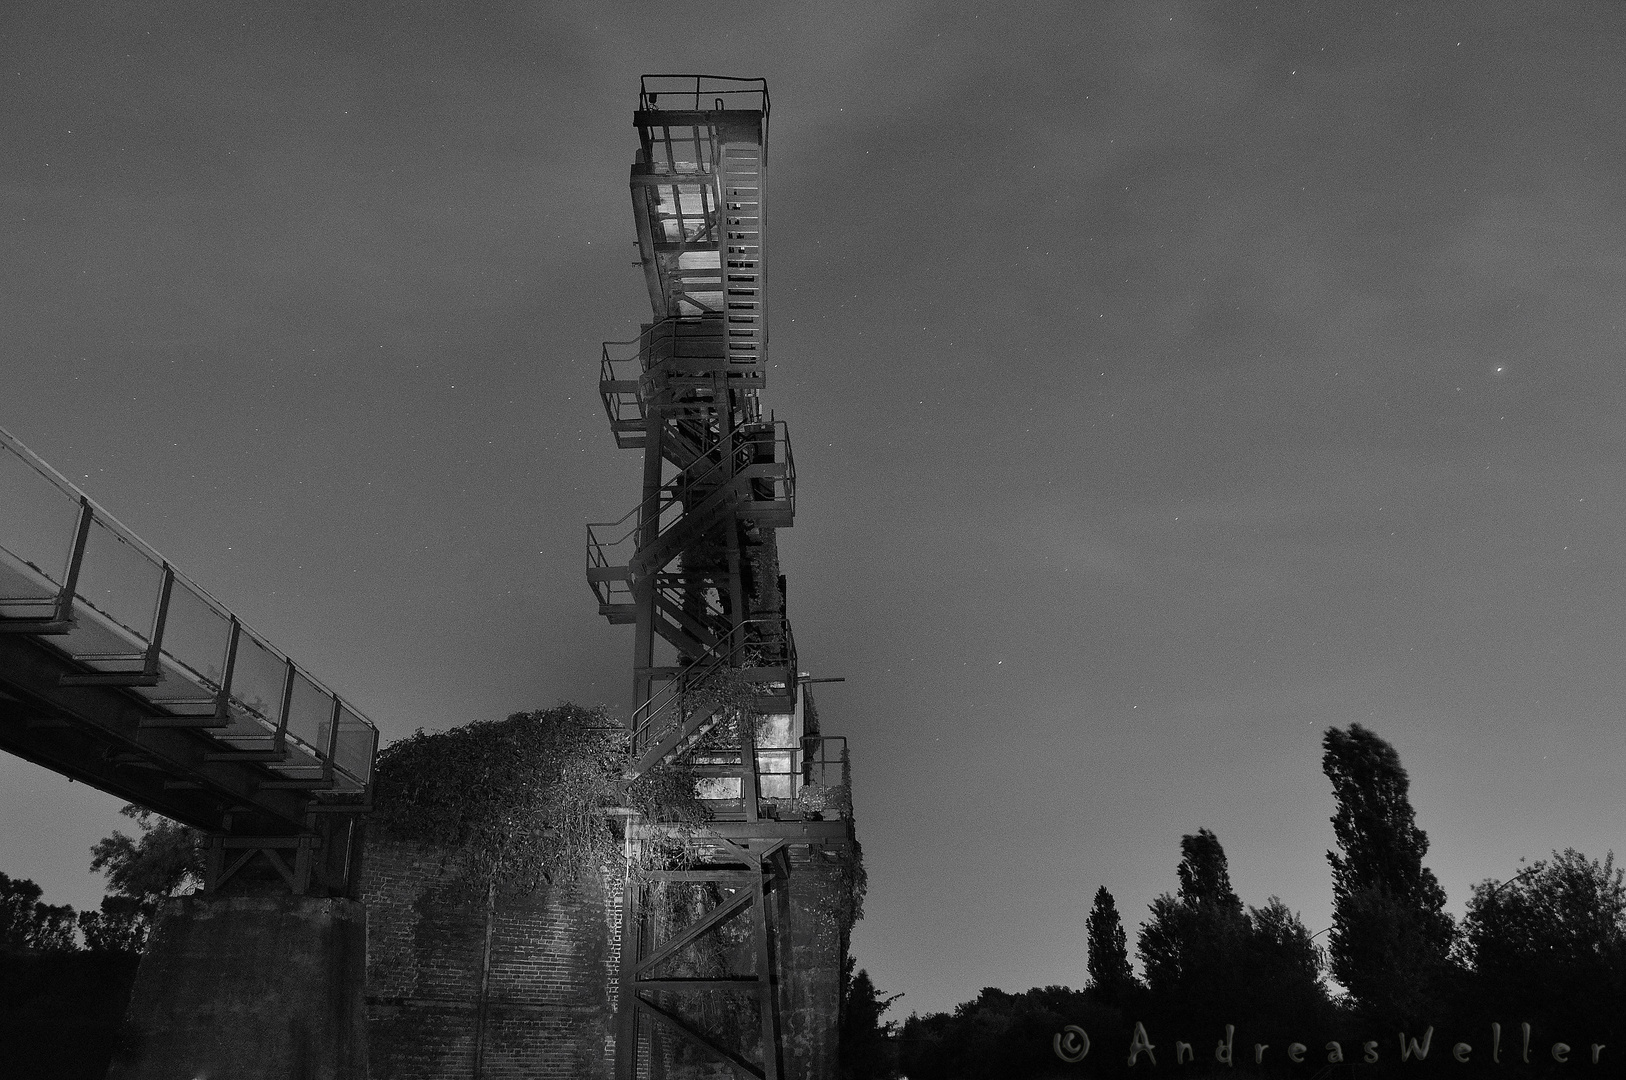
(735, 959)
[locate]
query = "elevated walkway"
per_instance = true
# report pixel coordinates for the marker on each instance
(119, 671)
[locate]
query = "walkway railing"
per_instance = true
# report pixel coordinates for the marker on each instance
(90, 590)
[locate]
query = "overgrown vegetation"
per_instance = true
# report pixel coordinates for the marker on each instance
(527, 800)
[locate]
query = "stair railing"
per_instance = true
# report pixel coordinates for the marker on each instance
(606, 540)
(672, 91)
(680, 688)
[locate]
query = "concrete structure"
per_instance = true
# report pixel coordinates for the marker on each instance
(249, 988)
(809, 974)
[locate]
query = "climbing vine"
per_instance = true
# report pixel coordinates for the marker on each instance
(527, 800)
(543, 796)
(735, 698)
(847, 906)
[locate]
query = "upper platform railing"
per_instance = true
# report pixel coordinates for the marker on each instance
(702, 93)
(117, 614)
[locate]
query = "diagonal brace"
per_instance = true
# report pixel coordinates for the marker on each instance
(741, 1067)
(713, 918)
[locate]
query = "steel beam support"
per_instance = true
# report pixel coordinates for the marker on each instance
(742, 1068)
(75, 730)
(767, 997)
(713, 918)
(751, 899)
(643, 585)
(698, 386)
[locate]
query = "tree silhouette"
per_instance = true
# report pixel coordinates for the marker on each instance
(120, 925)
(1282, 973)
(1111, 977)
(1205, 873)
(1004, 1036)
(1192, 943)
(1391, 936)
(28, 923)
(1550, 944)
(866, 1043)
(1211, 961)
(166, 858)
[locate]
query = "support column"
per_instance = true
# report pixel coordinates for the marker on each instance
(251, 988)
(643, 586)
(809, 958)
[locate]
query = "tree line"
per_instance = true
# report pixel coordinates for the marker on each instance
(162, 861)
(1531, 982)
(66, 975)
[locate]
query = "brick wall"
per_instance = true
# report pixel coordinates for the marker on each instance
(549, 1002)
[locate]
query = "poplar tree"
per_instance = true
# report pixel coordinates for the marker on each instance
(1205, 874)
(1111, 977)
(1391, 935)
(1210, 959)
(1193, 938)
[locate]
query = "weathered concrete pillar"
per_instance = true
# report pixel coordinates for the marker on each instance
(810, 968)
(249, 988)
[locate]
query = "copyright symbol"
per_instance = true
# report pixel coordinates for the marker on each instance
(1071, 1043)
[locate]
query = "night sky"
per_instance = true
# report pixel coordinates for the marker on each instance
(1167, 383)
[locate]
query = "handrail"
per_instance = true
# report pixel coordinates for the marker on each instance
(721, 97)
(707, 663)
(624, 391)
(668, 495)
(607, 374)
(648, 97)
(704, 665)
(600, 563)
(805, 775)
(680, 487)
(674, 595)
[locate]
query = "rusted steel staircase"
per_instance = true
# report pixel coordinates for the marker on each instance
(693, 567)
